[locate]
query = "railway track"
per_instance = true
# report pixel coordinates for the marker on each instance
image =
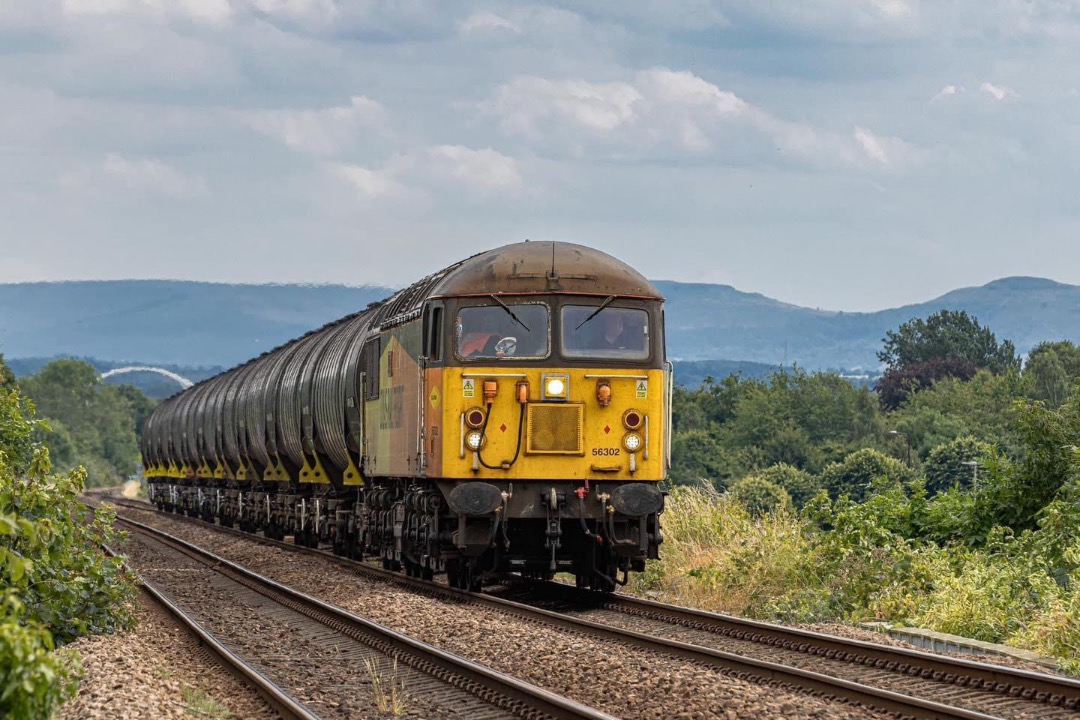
(327, 654)
(902, 682)
(285, 706)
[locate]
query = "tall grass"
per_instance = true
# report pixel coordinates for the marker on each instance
(785, 566)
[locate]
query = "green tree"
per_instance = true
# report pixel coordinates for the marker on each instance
(7, 377)
(1047, 376)
(96, 421)
(760, 496)
(1068, 354)
(947, 335)
(799, 484)
(697, 456)
(949, 465)
(946, 344)
(861, 472)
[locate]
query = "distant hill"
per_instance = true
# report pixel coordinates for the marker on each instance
(166, 321)
(188, 324)
(716, 321)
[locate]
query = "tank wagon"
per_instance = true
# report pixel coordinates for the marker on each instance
(508, 414)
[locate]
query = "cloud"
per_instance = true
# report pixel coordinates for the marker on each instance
(525, 102)
(144, 176)
(947, 91)
(440, 170)
(487, 22)
(368, 184)
(667, 113)
(211, 12)
(998, 92)
(321, 132)
(483, 171)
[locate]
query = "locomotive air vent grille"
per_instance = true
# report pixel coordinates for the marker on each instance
(554, 429)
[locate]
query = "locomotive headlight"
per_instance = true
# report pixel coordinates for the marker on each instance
(556, 387)
(632, 442)
(474, 441)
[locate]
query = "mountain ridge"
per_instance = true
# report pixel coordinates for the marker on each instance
(190, 323)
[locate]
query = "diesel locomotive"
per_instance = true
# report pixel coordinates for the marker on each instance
(509, 414)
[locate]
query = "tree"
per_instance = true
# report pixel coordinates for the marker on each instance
(946, 344)
(760, 496)
(947, 335)
(7, 377)
(948, 464)
(96, 422)
(1047, 377)
(799, 484)
(1068, 354)
(857, 474)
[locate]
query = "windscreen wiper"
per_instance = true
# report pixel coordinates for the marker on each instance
(510, 312)
(607, 301)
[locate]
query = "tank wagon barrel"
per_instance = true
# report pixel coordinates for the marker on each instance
(507, 414)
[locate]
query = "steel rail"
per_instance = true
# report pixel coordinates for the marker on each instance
(1041, 687)
(518, 692)
(282, 703)
(761, 670)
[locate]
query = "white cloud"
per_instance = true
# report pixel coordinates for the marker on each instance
(297, 9)
(321, 132)
(947, 91)
(211, 12)
(487, 22)
(664, 111)
(442, 169)
(894, 9)
(368, 184)
(144, 176)
(998, 92)
(483, 171)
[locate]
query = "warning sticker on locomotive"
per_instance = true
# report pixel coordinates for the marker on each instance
(468, 388)
(642, 389)
(434, 397)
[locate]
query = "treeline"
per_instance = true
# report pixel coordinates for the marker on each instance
(88, 423)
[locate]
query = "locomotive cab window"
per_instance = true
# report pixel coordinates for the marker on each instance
(590, 331)
(503, 330)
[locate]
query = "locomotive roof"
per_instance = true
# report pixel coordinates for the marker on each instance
(543, 267)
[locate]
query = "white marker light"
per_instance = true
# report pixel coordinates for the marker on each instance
(555, 387)
(632, 442)
(474, 440)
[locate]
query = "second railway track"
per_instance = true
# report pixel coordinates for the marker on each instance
(901, 682)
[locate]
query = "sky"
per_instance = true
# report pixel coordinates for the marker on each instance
(841, 154)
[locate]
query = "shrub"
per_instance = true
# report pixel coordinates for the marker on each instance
(56, 582)
(760, 496)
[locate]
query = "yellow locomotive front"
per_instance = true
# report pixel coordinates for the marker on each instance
(547, 418)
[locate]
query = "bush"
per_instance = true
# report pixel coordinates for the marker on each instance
(760, 496)
(56, 582)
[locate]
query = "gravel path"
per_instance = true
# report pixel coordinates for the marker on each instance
(156, 670)
(619, 679)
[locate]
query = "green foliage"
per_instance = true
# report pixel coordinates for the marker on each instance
(948, 463)
(56, 582)
(858, 473)
(7, 377)
(91, 424)
(1047, 377)
(729, 429)
(947, 335)
(1066, 353)
(760, 496)
(799, 484)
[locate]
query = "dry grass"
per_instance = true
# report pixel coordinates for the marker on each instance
(388, 692)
